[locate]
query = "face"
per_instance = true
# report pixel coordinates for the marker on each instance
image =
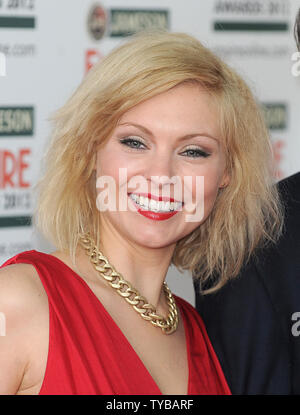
(174, 134)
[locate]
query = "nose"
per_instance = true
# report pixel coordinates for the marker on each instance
(160, 167)
(160, 172)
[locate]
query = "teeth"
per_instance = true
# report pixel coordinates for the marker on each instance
(155, 205)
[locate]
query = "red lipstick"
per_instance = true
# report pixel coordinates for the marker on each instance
(155, 215)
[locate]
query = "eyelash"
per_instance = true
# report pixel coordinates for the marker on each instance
(126, 141)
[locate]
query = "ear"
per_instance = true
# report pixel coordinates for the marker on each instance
(225, 180)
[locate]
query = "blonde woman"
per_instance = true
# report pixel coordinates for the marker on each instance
(159, 107)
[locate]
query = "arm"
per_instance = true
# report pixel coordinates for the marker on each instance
(18, 305)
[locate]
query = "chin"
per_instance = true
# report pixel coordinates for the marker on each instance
(152, 241)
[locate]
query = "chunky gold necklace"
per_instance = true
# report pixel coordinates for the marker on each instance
(128, 292)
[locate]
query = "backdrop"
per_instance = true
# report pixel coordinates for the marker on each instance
(47, 47)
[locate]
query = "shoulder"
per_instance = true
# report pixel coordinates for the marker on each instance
(22, 296)
(290, 187)
(24, 312)
(21, 292)
(19, 278)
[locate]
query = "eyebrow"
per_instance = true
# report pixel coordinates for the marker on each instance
(185, 137)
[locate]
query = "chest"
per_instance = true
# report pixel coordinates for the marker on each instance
(165, 357)
(162, 359)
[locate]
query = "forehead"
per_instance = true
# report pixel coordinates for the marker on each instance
(185, 108)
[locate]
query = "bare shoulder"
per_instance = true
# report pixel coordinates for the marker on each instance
(21, 290)
(24, 313)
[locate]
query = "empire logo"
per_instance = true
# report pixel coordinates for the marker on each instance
(92, 56)
(13, 166)
(16, 121)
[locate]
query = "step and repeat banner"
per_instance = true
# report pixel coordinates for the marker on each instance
(47, 47)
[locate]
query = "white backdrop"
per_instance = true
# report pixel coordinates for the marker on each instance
(47, 46)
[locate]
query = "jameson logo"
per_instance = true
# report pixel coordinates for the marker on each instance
(16, 121)
(124, 22)
(275, 115)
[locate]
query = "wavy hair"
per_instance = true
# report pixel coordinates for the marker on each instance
(247, 213)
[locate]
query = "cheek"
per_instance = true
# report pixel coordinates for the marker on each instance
(211, 188)
(108, 163)
(205, 188)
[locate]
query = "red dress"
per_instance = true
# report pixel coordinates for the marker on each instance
(84, 341)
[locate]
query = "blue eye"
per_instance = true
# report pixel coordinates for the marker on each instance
(135, 144)
(196, 153)
(130, 142)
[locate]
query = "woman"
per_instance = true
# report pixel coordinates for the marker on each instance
(161, 107)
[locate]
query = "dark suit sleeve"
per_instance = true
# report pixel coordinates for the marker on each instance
(249, 319)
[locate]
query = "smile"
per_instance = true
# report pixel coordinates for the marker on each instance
(155, 209)
(156, 206)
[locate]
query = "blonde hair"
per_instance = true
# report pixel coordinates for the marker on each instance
(246, 214)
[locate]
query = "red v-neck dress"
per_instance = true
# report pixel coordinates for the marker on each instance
(88, 353)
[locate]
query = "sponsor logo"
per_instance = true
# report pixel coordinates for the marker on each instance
(10, 14)
(275, 115)
(13, 166)
(92, 56)
(15, 222)
(125, 22)
(12, 5)
(252, 49)
(276, 118)
(15, 195)
(16, 121)
(18, 50)
(97, 21)
(251, 16)
(278, 146)
(251, 26)
(252, 7)
(17, 22)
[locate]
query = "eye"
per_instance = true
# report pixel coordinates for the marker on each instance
(132, 143)
(196, 153)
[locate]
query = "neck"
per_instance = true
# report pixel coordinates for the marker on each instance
(145, 268)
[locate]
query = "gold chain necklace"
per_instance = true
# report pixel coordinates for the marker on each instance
(128, 292)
